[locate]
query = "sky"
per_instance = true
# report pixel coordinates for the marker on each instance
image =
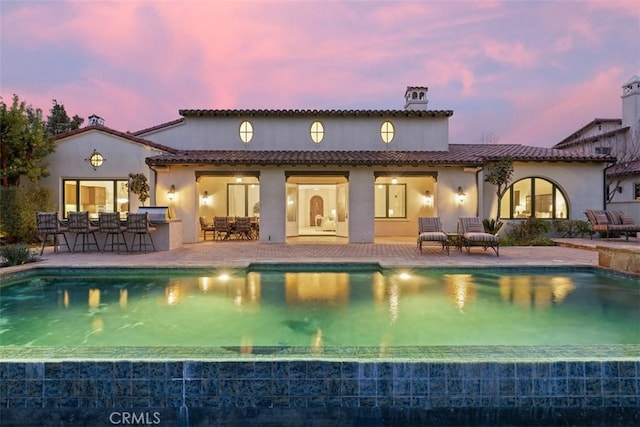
(517, 72)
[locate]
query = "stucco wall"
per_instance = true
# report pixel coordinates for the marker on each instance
(293, 133)
(121, 158)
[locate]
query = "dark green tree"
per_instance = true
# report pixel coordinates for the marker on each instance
(499, 174)
(59, 122)
(24, 143)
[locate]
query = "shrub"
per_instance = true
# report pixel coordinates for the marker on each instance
(16, 254)
(18, 207)
(572, 228)
(529, 232)
(491, 225)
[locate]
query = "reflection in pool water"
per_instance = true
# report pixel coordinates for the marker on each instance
(318, 309)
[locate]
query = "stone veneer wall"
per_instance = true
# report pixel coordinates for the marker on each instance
(319, 393)
(620, 259)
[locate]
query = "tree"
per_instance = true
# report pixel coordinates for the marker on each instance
(499, 174)
(139, 186)
(627, 152)
(24, 143)
(59, 122)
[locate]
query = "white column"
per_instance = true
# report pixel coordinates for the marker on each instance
(272, 206)
(361, 206)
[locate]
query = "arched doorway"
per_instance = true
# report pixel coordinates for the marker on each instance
(316, 210)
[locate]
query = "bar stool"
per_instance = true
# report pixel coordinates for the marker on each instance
(80, 225)
(48, 224)
(109, 224)
(138, 225)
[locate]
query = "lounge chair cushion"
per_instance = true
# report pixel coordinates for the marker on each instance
(601, 218)
(474, 227)
(480, 237)
(626, 219)
(613, 217)
(436, 236)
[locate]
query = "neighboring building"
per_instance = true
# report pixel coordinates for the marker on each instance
(620, 138)
(359, 174)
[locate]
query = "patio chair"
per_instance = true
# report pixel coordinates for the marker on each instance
(611, 222)
(430, 230)
(472, 234)
(242, 227)
(80, 224)
(207, 227)
(223, 227)
(48, 224)
(109, 224)
(138, 225)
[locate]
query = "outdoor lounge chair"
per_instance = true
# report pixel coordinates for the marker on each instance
(430, 230)
(49, 225)
(611, 222)
(472, 234)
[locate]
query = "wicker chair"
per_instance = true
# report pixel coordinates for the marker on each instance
(48, 224)
(223, 227)
(207, 228)
(80, 225)
(430, 230)
(109, 224)
(138, 225)
(243, 227)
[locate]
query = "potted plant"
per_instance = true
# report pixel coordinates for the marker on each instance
(139, 185)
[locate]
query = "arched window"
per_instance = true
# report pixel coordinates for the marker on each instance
(534, 197)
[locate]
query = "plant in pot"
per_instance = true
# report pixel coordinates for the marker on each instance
(139, 185)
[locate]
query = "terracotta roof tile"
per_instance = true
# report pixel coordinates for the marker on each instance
(117, 133)
(316, 113)
(158, 127)
(458, 154)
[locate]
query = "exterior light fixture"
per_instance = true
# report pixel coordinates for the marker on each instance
(460, 195)
(427, 199)
(95, 159)
(394, 180)
(239, 179)
(205, 197)
(171, 193)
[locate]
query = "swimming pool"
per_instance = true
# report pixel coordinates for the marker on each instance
(313, 309)
(405, 347)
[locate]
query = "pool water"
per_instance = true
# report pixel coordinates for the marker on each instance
(316, 309)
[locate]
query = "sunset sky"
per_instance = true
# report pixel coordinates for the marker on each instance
(528, 72)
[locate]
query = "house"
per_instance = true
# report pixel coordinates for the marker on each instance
(619, 137)
(356, 174)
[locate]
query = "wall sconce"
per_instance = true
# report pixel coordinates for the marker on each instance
(205, 197)
(239, 179)
(460, 196)
(95, 159)
(171, 194)
(394, 180)
(427, 199)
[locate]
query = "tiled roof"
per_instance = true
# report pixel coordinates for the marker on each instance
(117, 133)
(316, 113)
(625, 169)
(458, 154)
(158, 127)
(576, 137)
